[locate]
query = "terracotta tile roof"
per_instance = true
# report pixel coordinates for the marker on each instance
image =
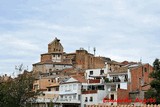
(114, 62)
(120, 70)
(80, 78)
(51, 62)
(127, 62)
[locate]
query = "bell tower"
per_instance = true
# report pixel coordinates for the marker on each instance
(55, 46)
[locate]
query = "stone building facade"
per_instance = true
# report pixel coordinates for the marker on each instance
(80, 59)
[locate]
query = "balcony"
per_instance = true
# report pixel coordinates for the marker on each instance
(89, 91)
(94, 80)
(68, 100)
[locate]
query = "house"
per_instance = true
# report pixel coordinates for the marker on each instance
(93, 92)
(128, 83)
(70, 91)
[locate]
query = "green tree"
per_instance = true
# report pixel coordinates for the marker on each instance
(17, 91)
(154, 91)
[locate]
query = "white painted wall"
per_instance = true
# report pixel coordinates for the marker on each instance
(70, 90)
(97, 98)
(96, 72)
(123, 85)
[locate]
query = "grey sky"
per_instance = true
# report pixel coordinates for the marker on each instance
(119, 29)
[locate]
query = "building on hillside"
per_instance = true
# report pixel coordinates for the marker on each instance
(48, 91)
(53, 60)
(140, 81)
(116, 85)
(132, 79)
(57, 59)
(93, 92)
(70, 91)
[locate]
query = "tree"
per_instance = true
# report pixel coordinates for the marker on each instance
(17, 91)
(154, 91)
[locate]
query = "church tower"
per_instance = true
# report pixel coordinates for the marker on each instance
(55, 46)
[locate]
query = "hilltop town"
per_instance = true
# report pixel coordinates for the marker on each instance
(81, 78)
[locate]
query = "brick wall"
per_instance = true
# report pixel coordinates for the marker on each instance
(140, 77)
(46, 57)
(124, 95)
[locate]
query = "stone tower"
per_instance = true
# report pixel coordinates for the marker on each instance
(55, 46)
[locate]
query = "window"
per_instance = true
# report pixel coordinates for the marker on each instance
(74, 86)
(91, 99)
(57, 89)
(91, 72)
(118, 85)
(35, 87)
(145, 69)
(126, 78)
(66, 87)
(79, 97)
(101, 72)
(49, 89)
(61, 88)
(74, 96)
(86, 99)
(52, 81)
(112, 96)
(70, 87)
(58, 55)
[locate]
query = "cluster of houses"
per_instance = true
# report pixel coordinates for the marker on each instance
(80, 78)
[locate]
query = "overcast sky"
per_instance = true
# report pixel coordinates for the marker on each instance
(119, 29)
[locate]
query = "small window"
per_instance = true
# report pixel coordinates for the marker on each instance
(91, 99)
(86, 100)
(52, 81)
(91, 72)
(118, 85)
(74, 86)
(79, 97)
(145, 69)
(101, 72)
(58, 55)
(70, 87)
(49, 89)
(112, 96)
(57, 89)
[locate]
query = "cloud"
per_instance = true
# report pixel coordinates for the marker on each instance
(119, 29)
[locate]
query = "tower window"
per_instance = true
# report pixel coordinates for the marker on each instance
(91, 72)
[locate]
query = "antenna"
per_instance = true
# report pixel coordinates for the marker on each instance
(94, 49)
(140, 60)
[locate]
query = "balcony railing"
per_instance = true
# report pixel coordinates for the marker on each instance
(94, 80)
(89, 91)
(68, 100)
